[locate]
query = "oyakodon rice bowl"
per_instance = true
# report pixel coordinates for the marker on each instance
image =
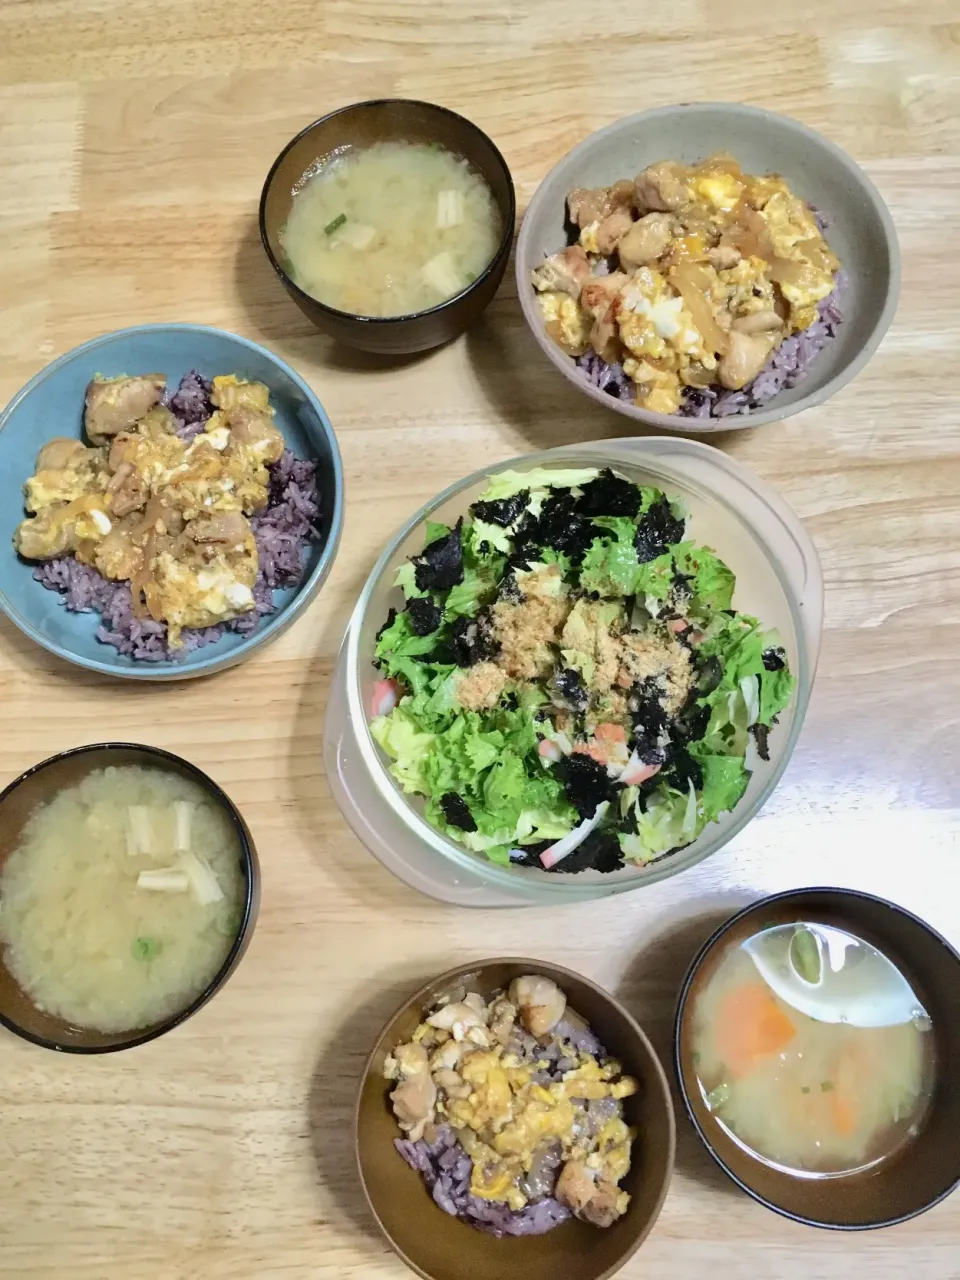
(180, 521)
(696, 290)
(513, 1111)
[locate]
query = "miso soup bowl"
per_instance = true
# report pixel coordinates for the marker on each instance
(439, 1247)
(360, 125)
(913, 1179)
(40, 784)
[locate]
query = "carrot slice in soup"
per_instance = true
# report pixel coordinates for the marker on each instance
(750, 1027)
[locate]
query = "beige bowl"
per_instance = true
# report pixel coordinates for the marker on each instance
(438, 1247)
(860, 231)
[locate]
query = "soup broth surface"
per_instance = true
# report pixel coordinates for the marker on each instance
(122, 900)
(391, 229)
(812, 1050)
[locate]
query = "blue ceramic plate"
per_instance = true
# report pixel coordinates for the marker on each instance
(52, 405)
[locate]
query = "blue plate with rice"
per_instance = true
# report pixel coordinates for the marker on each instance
(79, 615)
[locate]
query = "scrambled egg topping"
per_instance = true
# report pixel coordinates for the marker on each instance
(144, 505)
(520, 1098)
(714, 269)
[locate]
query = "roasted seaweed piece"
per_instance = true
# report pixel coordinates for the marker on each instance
(440, 565)
(609, 495)
(559, 526)
(472, 640)
(501, 511)
(658, 529)
(681, 769)
(456, 812)
(599, 852)
(425, 616)
(391, 619)
(570, 687)
(774, 659)
(528, 855)
(761, 734)
(586, 783)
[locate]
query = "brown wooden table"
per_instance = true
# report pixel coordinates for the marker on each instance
(134, 138)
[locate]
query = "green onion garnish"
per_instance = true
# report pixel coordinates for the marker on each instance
(804, 1088)
(332, 226)
(147, 948)
(826, 1086)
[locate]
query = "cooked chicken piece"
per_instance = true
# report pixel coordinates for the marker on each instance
(612, 229)
(125, 489)
(745, 356)
(230, 393)
(503, 1016)
(757, 322)
(46, 536)
(119, 555)
(661, 187)
(593, 204)
(447, 1056)
(599, 292)
(597, 299)
(256, 431)
(564, 272)
(452, 1083)
(594, 1202)
(115, 404)
(723, 257)
(225, 527)
(645, 241)
(458, 1019)
(416, 1096)
(540, 1001)
(62, 454)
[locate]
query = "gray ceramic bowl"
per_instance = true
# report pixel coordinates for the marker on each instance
(860, 232)
(51, 404)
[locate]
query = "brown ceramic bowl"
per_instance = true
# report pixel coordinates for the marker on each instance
(360, 125)
(922, 1173)
(39, 784)
(439, 1247)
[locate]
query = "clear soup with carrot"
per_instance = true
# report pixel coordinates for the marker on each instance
(812, 1050)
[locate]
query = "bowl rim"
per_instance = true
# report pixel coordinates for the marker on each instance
(503, 248)
(400, 803)
(769, 413)
(271, 626)
(763, 904)
(248, 917)
(558, 973)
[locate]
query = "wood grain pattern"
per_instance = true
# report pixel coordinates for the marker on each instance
(134, 138)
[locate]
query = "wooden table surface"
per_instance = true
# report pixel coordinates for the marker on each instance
(134, 138)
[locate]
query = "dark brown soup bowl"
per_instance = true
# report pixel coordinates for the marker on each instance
(439, 1247)
(39, 785)
(923, 1171)
(361, 125)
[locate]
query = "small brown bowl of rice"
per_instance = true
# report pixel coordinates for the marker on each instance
(389, 223)
(707, 267)
(514, 1123)
(129, 890)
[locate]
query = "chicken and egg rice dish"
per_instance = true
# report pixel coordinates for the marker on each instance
(177, 519)
(699, 290)
(512, 1111)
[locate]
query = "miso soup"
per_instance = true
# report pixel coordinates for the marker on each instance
(812, 1050)
(391, 229)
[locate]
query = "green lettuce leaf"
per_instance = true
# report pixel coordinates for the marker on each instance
(407, 745)
(713, 582)
(776, 690)
(670, 820)
(506, 483)
(725, 780)
(610, 566)
(406, 580)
